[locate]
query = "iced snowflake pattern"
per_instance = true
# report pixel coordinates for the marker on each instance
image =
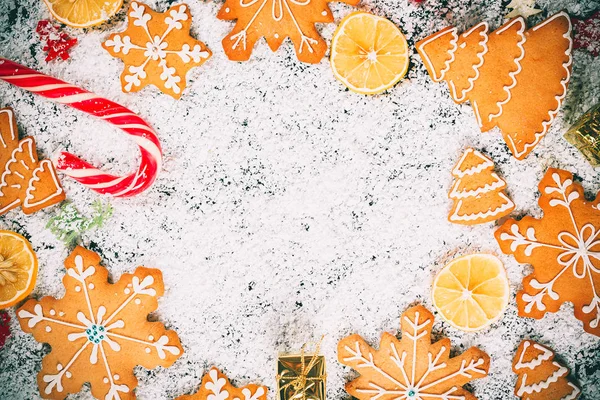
(99, 331)
(157, 49)
(275, 20)
(411, 368)
(216, 386)
(564, 249)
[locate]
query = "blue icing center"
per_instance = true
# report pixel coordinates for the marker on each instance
(96, 333)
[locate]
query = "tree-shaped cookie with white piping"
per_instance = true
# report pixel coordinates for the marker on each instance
(24, 180)
(515, 79)
(540, 377)
(478, 192)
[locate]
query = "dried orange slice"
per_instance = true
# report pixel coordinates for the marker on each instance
(369, 54)
(471, 292)
(18, 268)
(83, 13)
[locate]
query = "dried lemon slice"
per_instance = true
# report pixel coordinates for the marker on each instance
(18, 268)
(471, 292)
(369, 54)
(83, 13)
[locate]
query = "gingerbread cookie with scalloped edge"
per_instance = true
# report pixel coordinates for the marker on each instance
(24, 181)
(515, 79)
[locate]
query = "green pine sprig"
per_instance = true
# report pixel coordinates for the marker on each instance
(68, 225)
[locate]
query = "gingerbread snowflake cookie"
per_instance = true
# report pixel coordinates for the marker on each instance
(540, 377)
(411, 368)
(563, 247)
(99, 331)
(24, 181)
(215, 385)
(276, 20)
(157, 49)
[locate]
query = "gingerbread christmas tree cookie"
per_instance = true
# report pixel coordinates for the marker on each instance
(25, 181)
(515, 79)
(215, 385)
(539, 376)
(563, 247)
(276, 20)
(99, 331)
(157, 49)
(478, 192)
(413, 367)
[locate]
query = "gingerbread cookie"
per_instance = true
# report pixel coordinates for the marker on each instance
(276, 20)
(413, 367)
(157, 49)
(478, 192)
(539, 376)
(99, 331)
(500, 73)
(215, 385)
(25, 181)
(563, 247)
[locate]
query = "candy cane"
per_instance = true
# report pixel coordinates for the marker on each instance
(126, 120)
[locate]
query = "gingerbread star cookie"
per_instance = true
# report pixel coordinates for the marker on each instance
(412, 367)
(276, 20)
(215, 385)
(539, 376)
(157, 49)
(99, 331)
(515, 79)
(25, 181)
(478, 192)
(563, 247)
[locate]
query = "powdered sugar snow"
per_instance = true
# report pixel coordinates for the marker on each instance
(288, 207)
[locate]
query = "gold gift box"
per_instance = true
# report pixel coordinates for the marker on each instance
(585, 135)
(301, 377)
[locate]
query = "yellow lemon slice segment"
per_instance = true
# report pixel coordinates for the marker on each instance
(369, 54)
(83, 13)
(471, 292)
(18, 268)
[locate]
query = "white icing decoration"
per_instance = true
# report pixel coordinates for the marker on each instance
(517, 61)
(498, 184)
(505, 206)
(559, 98)
(575, 246)
(45, 165)
(470, 152)
(156, 48)
(480, 55)
(542, 385)
(11, 127)
(96, 330)
(545, 355)
(453, 42)
(277, 14)
(26, 145)
(417, 386)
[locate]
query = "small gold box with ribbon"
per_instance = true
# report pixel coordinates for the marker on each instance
(301, 376)
(585, 135)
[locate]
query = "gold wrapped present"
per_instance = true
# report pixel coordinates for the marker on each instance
(301, 376)
(585, 135)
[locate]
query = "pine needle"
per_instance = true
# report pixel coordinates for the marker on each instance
(69, 224)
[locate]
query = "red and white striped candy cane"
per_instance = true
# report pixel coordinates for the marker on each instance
(125, 119)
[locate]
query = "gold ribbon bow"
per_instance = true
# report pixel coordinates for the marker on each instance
(301, 383)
